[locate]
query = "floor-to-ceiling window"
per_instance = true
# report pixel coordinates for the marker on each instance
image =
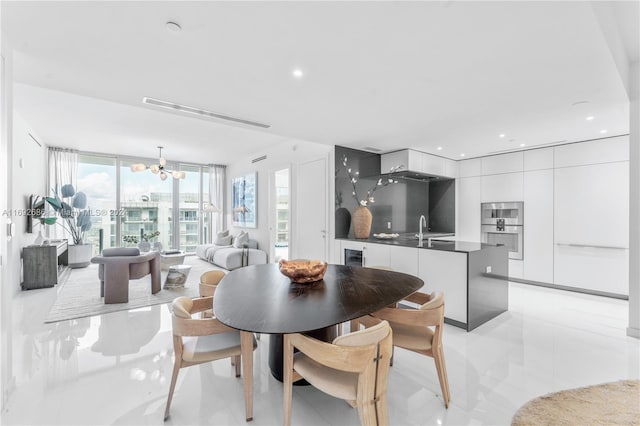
(146, 202)
(130, 206)
(97, 179)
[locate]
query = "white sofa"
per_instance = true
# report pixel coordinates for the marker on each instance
(230, 257)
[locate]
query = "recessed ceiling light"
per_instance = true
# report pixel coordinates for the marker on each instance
(501, 135)
(439, 148)
(603, 131)
(462, 155)
(297, 73)
(523, 144)
(173, 26)
(589, 118)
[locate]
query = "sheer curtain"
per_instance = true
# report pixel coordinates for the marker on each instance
(217, 184)
(63, 169)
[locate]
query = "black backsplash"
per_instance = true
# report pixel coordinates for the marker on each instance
(400, 203)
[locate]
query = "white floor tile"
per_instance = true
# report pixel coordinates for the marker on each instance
(115, 368)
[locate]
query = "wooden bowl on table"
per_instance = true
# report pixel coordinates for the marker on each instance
(303, 271)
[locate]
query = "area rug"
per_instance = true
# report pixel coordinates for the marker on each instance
(615, 403)
(79, 295)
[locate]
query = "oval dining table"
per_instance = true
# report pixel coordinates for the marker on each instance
(260, 299)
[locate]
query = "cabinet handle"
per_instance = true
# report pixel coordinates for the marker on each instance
(592, 246)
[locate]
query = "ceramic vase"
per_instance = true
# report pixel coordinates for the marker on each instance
(362, 222)
(343, 222)
(144, 246)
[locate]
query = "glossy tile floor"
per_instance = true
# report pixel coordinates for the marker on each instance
(115, 369)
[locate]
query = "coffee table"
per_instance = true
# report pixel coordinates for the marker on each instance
(167, 260)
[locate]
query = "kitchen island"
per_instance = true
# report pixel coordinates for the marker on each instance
(473, 276)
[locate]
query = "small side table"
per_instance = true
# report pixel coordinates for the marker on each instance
(167, 260)
(177, 276)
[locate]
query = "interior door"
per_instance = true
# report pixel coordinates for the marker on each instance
(311, 214)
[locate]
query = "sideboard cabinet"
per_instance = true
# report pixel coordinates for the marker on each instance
(41, 264)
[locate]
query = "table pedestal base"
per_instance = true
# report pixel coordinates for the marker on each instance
(276, 349)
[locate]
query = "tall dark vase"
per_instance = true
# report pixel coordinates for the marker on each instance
(343, 222)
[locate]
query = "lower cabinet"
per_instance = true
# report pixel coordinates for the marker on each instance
(404, 259)
(602, 269)
(447, 272)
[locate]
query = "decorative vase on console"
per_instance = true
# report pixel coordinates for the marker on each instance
(362, 218)
(144, 246)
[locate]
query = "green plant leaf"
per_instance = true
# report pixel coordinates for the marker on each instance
(55, 203)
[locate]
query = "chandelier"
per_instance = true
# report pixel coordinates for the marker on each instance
(158, 168)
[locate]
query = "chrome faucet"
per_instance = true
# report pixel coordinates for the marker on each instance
(422, 222)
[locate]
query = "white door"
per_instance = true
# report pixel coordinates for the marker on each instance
(311, 214)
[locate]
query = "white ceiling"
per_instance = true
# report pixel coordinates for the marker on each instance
(387, 75)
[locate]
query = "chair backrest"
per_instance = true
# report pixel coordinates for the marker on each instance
(368, 336)
(209, 281)
(435, 305)
(436, 300)
(121, 251)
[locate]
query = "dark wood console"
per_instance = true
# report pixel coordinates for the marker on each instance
(41, 264)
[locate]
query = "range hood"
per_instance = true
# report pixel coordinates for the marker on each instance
(418, 166)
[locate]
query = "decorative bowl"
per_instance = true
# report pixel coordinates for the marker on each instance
(303, 271)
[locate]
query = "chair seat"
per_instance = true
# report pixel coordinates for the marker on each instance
(212, 347)
(411, 337)
(336, 383)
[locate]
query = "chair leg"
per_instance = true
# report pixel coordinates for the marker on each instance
(246, 343)
(383, 410)
(287, 380)
(367, 413)
(174, 379)
(238, 363)
(441, 368)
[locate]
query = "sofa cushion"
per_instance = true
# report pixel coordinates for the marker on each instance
(231, 258)
(242, 240)
(223, 240)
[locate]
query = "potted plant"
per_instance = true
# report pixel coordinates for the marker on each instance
(71, 206)
(144, 245)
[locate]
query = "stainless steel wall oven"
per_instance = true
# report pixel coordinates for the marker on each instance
(503, 223)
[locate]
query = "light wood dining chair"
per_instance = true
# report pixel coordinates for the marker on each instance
(209, 282)
(355, 367)
(199, 340)
(420, 330)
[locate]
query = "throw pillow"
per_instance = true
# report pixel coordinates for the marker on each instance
(241, 240)
(223, 241)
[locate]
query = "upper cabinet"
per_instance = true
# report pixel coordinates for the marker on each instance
(592, 152)
(419, 162)
(504, 163)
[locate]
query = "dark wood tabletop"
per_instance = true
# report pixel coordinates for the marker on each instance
(260, 299)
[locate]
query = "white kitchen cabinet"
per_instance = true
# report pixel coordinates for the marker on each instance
(592, 268)
(419, 162)
(470, 168)
(375, 255)
(502, 187)
(538, 159)
(591, 217)
(404, 259)
(446, 271)
(503, 163)
(592, 152)
(538, 226)
(591, 205)
(468, 199)
(516, 268)
(411, 160)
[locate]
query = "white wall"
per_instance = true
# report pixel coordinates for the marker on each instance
(289, 153)
(29, 168)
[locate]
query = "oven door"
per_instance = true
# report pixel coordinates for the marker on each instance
(510, 236)
(511, 213)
